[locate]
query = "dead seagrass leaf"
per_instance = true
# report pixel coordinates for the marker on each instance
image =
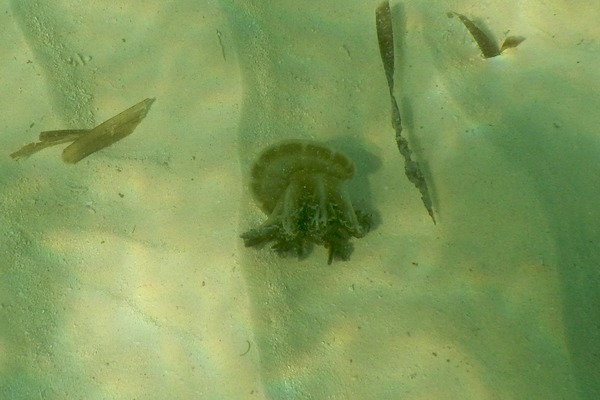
(88, 141)
(488, 46)
(412, 169)
(61, 135)
(486, 42)
(510, 42)
(47, 139)
(107, 133)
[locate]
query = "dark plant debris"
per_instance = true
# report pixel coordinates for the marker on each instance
(487, 44)
(385, 37)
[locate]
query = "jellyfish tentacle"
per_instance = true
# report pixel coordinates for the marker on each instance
(290, 205)
(349, 215)
(321, 196)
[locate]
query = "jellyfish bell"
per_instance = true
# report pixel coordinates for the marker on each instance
(300, 186)
(282, 163)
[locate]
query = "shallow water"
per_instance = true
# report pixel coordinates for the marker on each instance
(124, 275)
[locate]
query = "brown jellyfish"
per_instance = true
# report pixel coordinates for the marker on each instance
(300, 186)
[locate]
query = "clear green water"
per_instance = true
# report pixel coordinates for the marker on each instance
(124, 276)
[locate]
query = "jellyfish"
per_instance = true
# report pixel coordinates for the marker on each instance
(300, 186)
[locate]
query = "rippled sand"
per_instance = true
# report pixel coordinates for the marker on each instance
(124, 276)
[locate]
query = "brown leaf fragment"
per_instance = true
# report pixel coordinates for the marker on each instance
(48, 139)
(88, 141)
(52, 136)
(412, 170)
(385, 37)
(511, 41)
(29, 149)
(107, 133)
(488, 46)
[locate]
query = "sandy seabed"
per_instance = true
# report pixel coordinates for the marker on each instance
(124, 277)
